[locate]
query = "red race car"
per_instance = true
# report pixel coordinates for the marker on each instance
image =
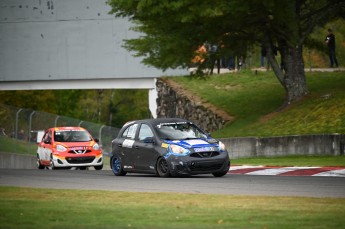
(69, 147)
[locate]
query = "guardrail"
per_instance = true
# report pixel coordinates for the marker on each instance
(323, 144)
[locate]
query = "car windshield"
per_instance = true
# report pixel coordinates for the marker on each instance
(72, 136)
(179, 131)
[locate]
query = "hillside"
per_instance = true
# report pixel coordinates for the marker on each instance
(254, 101)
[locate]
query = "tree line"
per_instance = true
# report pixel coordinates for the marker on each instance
(110, 107)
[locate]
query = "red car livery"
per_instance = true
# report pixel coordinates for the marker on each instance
(69, 147)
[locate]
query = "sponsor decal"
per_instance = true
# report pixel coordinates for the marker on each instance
(190, 143)
(128, 143)
(128, 167)
(58, 131)
(164, 145)
(204, 149)
(170, 123)
(211, 140)
(79, 148)
(196, 142)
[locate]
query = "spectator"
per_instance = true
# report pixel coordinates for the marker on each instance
(330, 41)
(214, 57)
(262, 56)
(21, 135)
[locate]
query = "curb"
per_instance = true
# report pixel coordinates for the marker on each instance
(332, 171)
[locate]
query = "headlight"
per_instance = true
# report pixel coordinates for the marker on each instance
(178, 149)
(221, 146)
(95, 147)
(60, 148)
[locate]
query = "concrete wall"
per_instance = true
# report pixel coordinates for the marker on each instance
(325, 144)
(17, 161)
(64, 40)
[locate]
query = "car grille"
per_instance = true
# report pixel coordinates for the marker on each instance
(204, 154)
(205, 165)
(79, 160)
(79, 151)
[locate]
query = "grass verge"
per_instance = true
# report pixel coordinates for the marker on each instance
(253, 99)
(11, 145)
(37, 208)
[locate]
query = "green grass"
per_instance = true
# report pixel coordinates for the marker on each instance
(10, 145)
(253, 100)
(50, 208)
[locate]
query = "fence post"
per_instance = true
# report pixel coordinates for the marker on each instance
(30, 122)
(57, 117)
(100, 134)
(17, 114)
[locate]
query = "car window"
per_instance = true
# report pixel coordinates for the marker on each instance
(72, 136)
(130, 131)
(178, 131)
(124, 134)
(47, 138)
(144, 132)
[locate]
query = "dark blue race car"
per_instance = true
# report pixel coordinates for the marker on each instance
(167, 147)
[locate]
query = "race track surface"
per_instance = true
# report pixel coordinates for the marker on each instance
(234, 184)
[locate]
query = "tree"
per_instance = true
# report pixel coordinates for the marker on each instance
(171, 31)
(110, 107)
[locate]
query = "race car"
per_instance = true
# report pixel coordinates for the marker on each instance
(167, 147)
(67, 147)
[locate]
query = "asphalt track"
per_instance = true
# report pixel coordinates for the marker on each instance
(233, 184)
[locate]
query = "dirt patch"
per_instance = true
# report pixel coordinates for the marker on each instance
(267, 117)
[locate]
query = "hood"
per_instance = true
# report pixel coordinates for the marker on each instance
(193, 143)
(76, 144)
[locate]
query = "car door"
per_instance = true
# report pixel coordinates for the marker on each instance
(45, 148)
(145, 153)
(126, 146)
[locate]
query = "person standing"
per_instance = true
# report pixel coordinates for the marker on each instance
(330, 41)
(263, 53)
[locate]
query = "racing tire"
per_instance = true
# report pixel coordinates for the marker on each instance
(98, 167)
(116, 166)
(163, 167)
(220, 174)
(39, 165)
(51, 165)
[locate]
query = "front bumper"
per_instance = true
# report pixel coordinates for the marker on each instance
(187, 165)
(80, 161)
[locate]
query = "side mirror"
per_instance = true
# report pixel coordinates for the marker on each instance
(47, 141)
(149, 140)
